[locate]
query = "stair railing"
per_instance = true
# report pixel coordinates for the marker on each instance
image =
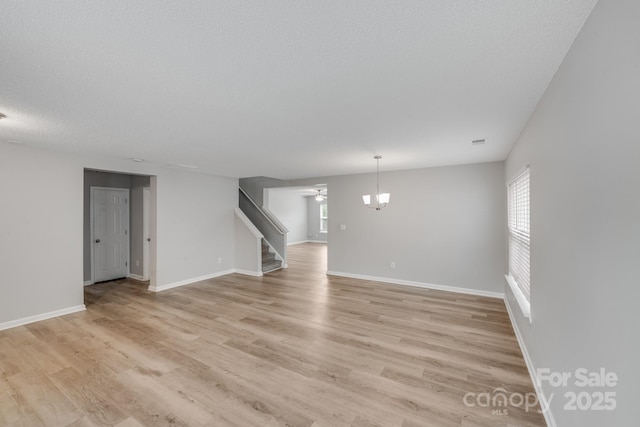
(274, 232)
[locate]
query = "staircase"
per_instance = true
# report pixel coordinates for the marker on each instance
(269, 260)
(270, 230)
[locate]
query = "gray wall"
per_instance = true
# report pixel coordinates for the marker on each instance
(41, 238)
(40, 232)
(583, 145)
(291, 209)
(248, 254)
(254, 187)
(195, 225)
(444, 226)
(313, 220)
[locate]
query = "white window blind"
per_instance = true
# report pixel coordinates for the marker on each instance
(519, 231)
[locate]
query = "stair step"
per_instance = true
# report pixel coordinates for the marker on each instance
(269, 260)
(271, 266)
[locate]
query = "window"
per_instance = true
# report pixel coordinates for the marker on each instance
(323, 218)
(518, 205)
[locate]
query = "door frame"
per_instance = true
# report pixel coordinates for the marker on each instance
(146, 232)
(92, 190)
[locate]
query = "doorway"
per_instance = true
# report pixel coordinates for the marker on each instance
(140, 233)
(304, 212)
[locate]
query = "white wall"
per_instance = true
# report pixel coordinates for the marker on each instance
(444, 226)
(291, 209)
(583, 145)
(42, 227)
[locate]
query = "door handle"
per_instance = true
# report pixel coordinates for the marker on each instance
(97, 240)
(149, 239)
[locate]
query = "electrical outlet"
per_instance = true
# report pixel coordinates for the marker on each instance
(220, 260)
(137, 263)
(393, 264)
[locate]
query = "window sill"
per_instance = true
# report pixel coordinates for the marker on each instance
(323, 232)
(525, 306)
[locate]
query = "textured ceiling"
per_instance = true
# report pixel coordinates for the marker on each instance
(287, 89)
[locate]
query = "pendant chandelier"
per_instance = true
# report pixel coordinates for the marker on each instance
(319, 196)
(382, 199)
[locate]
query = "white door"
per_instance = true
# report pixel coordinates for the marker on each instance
(110, 211)
(146, 199)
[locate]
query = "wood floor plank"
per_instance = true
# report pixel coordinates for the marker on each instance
(100, 410)
(14, 410)
(293, 348)
(41, 396)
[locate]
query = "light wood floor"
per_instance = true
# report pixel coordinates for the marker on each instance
(294, 348)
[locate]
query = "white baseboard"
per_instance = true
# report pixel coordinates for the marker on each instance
(248, 273)
(88, 282)
(161, 288)
(420, 284)
(137, 277)
(548, 416)
(39, 317)
(306, 241)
